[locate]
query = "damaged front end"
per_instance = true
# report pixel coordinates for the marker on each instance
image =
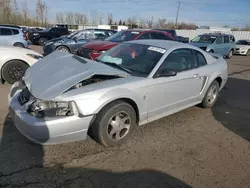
(94, 79)
(41, 108)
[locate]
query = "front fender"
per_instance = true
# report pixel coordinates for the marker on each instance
(91, 106)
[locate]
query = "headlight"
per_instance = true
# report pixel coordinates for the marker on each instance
(99, 52)
(103, 51)
(52, 109)
(35, 56)
(35, 34)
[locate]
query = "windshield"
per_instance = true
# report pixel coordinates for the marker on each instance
(73, 34)
(137, 59)
(243, 42)
(123, 36)
(46, 29)
(204, 39)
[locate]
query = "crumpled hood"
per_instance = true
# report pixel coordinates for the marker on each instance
(100, 45)
(57, 72)
(199, 44)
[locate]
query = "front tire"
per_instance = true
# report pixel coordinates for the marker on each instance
(211, 95)
(63, 49)
(248, 52)
(114, 124)
(13, 71)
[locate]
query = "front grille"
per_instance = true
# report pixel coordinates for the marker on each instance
(24, 96)
(203, 48)
(84, 52)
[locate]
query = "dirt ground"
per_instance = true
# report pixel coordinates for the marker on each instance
(202, 148)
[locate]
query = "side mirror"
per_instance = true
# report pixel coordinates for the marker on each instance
(167, 73)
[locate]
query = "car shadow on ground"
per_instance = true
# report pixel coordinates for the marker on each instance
(21, 165)
(232, 109)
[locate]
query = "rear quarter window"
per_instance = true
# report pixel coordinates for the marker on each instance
(15, 31)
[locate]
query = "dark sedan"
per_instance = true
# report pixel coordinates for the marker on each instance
(75, 40)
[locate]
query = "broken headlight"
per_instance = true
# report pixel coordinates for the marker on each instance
(52, 108)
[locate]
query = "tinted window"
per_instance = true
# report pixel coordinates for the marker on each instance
(179, 60)
(219, 40)
(201, 61)
(5, 31)
(15, 32)
(160, 36)
(226, 39)
(144, 36)
(204, 39)
(123, 36)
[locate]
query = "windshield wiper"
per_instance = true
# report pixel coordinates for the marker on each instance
(117, 66)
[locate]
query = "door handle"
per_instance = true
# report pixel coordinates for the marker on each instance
(196, 75)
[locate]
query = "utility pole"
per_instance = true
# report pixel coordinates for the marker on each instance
(177, 14)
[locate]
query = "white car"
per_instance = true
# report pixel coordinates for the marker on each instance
(14, 61)
(242, 47)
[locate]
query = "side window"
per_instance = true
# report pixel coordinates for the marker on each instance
(160, 36)
(226, 39)
(201, 60)
(53, 30)
(219, 40)
(232, 39)
(5, 32)
(179, 60)
(144, 36)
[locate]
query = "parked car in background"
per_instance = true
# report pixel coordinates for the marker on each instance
(242, 47)
(92, 50)
(174, 34)
(219, 43)
(108, 99)
(14, 61)
(39, 37)
(11, 35)
(75, 40)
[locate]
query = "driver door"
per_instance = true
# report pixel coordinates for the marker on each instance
(171, 94)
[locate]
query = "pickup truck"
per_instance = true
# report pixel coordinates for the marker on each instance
(173, 33)
(40, 37)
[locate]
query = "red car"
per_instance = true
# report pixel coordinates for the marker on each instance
(92, 50)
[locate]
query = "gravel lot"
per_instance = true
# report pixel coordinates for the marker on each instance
(203, 148)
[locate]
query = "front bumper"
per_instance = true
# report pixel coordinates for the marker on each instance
(47, 131)
(240, 52)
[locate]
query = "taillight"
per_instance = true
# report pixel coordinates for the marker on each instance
(24, 36)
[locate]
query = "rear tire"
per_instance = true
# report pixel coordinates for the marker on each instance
(18, 44)
(42, 41)
(230, 54)
(114, 124)
(13, 71)
(211, 95)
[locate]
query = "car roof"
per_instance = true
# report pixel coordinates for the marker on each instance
(217, 34)
(166, 44)
(10, 26)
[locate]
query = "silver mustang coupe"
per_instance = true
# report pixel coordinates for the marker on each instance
(64, 98)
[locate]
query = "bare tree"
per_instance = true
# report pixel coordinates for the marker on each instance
(150, 22)
(161, 22)
(6, 11)
(42, 12)
(25, 12)
(132, 22)
(94, 17)
(60, 17)
(100, 18)
(69, 18)
(110, 19)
